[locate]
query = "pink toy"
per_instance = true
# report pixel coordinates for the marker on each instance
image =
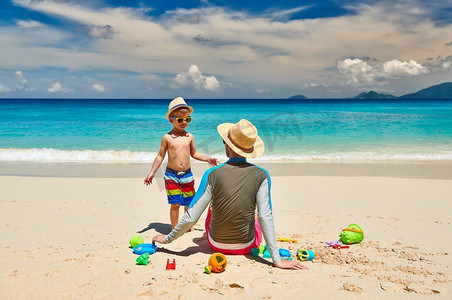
(337, 245)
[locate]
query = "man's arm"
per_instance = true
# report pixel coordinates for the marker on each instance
(265, 217)
(192, 215)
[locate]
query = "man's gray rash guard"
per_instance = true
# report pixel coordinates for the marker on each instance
(234, 189)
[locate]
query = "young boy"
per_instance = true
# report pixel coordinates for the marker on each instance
(180, 145)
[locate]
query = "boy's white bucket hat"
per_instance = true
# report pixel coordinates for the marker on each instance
(177, 103)
(242, 138)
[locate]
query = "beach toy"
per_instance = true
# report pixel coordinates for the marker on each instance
(333, 243)
(255, 252)
(284, 253)
(340, 247)
(337, 245)
(353, 234)
(217, 263)
(287, 240)
(135, 241)
(143, 259)
(261, 248)
(145, 248)
(171, 266)
(305, 255)
(266, 253)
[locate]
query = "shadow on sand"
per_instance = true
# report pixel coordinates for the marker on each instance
(159, 227)
(202, 247)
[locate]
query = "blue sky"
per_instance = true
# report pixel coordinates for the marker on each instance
(222, 49)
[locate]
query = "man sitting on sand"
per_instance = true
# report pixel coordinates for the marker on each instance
(234, 190)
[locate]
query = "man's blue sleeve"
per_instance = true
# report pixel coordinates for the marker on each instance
(265, 217)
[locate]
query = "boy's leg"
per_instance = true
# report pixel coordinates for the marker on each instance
(174, 195)
(174, 214)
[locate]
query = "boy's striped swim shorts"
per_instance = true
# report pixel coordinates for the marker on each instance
(180, 186)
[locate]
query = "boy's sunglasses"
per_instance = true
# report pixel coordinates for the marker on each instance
(180, 120)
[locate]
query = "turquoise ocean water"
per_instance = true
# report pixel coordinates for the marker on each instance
(320, 130)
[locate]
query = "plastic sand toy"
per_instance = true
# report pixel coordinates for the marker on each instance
(145, 248)
(217, 263)
(287, 240)
(284, 253)
(135, 241)
(305, 255)
(143, 259)
(353, 234)
(171, 266)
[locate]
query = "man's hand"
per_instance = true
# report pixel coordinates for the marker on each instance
(159, 238)
(148, 179)
(290, 264)
(213, 161)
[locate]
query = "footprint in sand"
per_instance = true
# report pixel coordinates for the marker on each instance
(147, 294)
(350, 287)
(52, 273)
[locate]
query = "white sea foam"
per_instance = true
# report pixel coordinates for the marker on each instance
(87, 156)
(49, 155)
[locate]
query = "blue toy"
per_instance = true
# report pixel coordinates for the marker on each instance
(304, 254)
(266, 253)
(284, 253)
(254, 252)
(145, 248)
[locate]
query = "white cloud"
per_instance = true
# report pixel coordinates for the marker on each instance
(98, 87)
(446, 64)
(4, 88)
(396, 68)
(57, 87)
(362, 72)
(356, 70)
(194, 78)
(251, 51)
(262, 91)
(28, 23)
(285, 14)
(103, 32)
(311, 85)
(22, 82)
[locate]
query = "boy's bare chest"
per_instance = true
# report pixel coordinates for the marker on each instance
(179, 143)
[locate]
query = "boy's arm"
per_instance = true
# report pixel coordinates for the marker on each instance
(157, 161)
(196, 155)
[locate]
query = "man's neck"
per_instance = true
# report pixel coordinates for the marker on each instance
(237, 158)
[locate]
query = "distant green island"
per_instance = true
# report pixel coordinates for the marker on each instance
(443, 90)
(438, 91)
(299, 96)
(374, 95)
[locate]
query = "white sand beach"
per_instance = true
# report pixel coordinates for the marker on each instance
(67, 236)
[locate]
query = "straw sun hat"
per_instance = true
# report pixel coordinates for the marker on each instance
(242, 138)
(177, 103)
